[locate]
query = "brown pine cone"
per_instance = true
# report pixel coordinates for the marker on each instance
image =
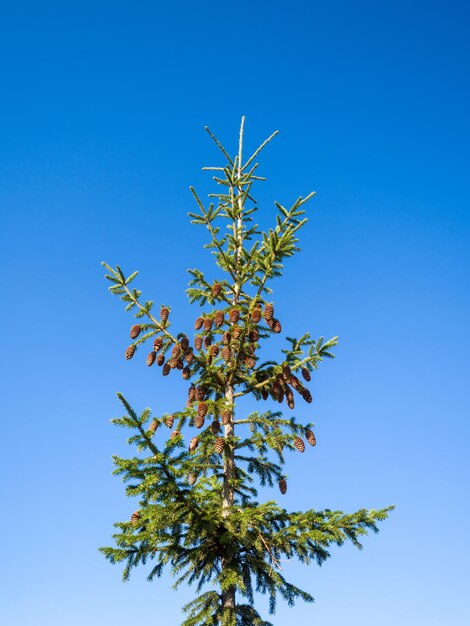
(299, 444)
(253, 335)
(202, 409)
(281, 381)
(160, 359)
(226, 416)
(153, 426)
(283, 486)
(130, 351)
(256, 314)
(198, 323)
(264, 393)
(192, 393)
(219, 318)
(307, 396)
(286, 372)
(290, 398)
(184, 343)
(276, 326)
(275, 390)
(198, 342)
(166, 369)
(173, 363)
(192, 479)
(135, 517)
(237, 331)
(208, 324)
(207, 341)
(164, 313)
(169, 421)
(189, 357)
(175, 352)
(186, 373)
(157, 343)
(219, 445)
(295, 382)
(175, 434)
(306, 374)
(199, 421)
(216, 289)
(135, 331)
(234, 315)
(151, 358)
(226, 338)
(193, 443)
(215, 427)
(310, 437)
(179, 364)
(214, 350)
(226, 354)
(200, 393)
(268, 312)
(249, 362)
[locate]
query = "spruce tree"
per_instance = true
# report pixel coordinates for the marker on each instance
(195, 470)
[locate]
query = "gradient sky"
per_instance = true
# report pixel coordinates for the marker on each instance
(102, 108)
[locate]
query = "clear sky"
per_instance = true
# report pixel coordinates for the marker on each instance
(102, 108)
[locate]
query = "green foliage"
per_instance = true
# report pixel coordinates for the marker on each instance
(198, 512)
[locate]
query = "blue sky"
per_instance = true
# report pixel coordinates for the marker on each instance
(102, 108)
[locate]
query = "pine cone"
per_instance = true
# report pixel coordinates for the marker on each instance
(226, 338)
(192, 479)
(175, 352)
(253, 335)
(219, 445)
(283, 486)
(175, 434)
(226, 354)
(193, 443)
(256, 314)
(299, 444)
(199, 421)
(164, 313)
(307, 396)
(179, 364)
(189, 357)
(249, 362)
(186, 373)
(198, 323)
(192, 393)
(237, 331)
(208, 324)
(214, 350)
(135, 517)
(200, 393)
(184, 343)
(226, 416)
(276, 326)
(130, 351)
(173, 363)
(160, 359)
(198, 342)
(151, 358)
(153, 426)
(166, 369)
(295, 382)
(286, 372)
(216, 289)
(169, 421)
(264, 393)
(290, 398)
(215, 427)
(202, 409)
(268, 312)
(306, 374)
(234, 315)
(157, 344)
(310, 437)
(219, 318)
(207, 341)
(135, 331)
